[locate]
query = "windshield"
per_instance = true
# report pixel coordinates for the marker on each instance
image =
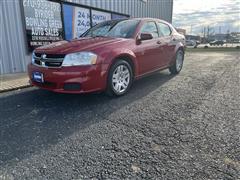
(116, 28)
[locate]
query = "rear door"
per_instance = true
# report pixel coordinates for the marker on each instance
(168, 43)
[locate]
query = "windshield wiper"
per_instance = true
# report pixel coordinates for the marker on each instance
(99, 36)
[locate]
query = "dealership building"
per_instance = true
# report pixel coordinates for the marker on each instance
(27, 24)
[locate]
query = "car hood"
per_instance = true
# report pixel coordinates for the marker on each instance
(82, 44)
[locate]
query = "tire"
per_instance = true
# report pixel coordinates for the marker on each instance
(176, 67)
(120, 78)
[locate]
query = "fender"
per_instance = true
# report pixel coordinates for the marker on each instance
(178, 46)
(118, 53)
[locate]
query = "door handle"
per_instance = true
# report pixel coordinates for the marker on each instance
(159, 42)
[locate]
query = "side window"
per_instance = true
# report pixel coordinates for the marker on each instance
(150, 27)
(164, 29)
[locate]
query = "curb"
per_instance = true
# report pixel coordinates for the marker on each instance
(15, 88)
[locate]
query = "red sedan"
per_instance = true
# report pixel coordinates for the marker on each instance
(108, 57)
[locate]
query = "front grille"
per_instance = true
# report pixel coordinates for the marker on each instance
(38, 62)
(54, 56)
(48, 60)
(53, 64)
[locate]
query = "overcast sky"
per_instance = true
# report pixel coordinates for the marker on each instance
(213, 13)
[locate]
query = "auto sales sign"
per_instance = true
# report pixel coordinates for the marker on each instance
(43, 22)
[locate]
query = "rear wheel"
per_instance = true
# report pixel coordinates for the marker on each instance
(178, 64)
(120, 78)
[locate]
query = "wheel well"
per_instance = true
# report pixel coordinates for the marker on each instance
(128, 59)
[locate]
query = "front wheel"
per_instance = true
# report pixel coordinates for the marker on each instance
(120, 78)
(178, 64)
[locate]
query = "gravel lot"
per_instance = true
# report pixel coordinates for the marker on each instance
(167, 127)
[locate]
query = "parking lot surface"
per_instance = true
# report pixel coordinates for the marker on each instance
(167, 127)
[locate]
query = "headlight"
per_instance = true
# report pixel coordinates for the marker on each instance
(79, 58)
(33, 55)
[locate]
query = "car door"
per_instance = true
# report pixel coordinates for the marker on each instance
(167, 43)
(148, 50)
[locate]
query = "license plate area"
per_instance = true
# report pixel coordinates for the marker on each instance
(38, 77)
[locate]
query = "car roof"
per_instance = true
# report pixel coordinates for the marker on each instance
(141, 19)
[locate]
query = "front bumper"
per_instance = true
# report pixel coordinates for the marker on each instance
(78, 79)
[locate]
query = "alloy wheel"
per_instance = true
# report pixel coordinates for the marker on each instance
(121, 78)
(179, 61)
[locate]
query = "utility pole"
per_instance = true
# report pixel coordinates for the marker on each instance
(204, 34)
(220, 29)
(208, 30)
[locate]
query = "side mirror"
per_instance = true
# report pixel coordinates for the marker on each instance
(145, 36)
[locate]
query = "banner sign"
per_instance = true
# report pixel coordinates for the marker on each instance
(43, 22)
(76, 21)
(99, 16)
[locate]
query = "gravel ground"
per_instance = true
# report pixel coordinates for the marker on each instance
(167, 127)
